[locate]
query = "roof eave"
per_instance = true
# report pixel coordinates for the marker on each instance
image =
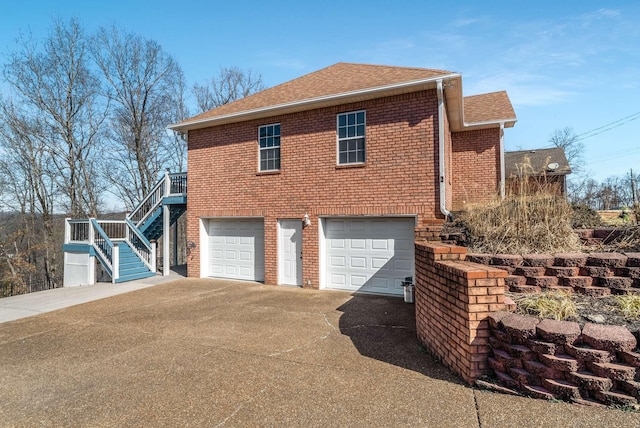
(508, 123)
(312, 103)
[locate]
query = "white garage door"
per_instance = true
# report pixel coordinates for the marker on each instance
(371, 255)
(236, 249)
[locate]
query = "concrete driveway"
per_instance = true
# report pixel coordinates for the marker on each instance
(225, 353)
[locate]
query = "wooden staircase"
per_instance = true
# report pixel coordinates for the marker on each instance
(125, 248)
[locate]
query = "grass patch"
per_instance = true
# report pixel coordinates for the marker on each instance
(555, 305)
(629, 306)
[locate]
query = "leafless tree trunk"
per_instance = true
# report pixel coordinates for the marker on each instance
(229, 85)
(144, 84)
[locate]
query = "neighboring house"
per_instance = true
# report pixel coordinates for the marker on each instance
(325, 181)
(542, 167)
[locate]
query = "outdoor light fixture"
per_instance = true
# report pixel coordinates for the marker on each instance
(306, 221)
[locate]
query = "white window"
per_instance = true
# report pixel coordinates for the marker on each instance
(351, 137)
(269, 147)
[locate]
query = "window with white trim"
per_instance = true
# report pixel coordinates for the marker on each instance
(269, 147)
(351, 137)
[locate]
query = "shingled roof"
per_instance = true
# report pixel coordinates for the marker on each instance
(347, 82)
(489, 107)
(536, 162)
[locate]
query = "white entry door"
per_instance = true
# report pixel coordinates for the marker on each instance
(290, 252)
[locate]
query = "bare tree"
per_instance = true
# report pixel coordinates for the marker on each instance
(30, 189)
(567, 140)
(143, 83)
(230, 84)
(53, 82)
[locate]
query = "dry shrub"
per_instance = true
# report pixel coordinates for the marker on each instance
(532, 218)
(629, 306)
(556, 305)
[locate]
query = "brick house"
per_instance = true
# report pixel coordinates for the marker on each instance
(325, 181)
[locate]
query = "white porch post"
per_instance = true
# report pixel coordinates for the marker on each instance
(166, 241)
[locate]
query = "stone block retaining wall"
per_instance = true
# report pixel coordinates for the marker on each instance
(556, 359)
(462, 319)
(595, 274)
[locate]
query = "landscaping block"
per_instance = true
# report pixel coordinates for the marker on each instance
(570, 259)
(616, 282)
(520, 328)
(594, 291)
(514, 280)
(559, 332)
(562, 388)
(589, 355)
(633, 259)
(506, 380)
(495, 318)
(610, 260)
(629, 272)
(525, 289)
(482, 259)
(596, 271)
(530, 271)
(506, 260)
(539, 392)
(591, 382)
(630, 387)
(540, 370)
(618, 372)
(544, 347)
(560, 362)
(508, 269)
(610, 338)
(496, 365)
(506, 360)
(522, 376)
(562, 272)
(539, 260)
(520, 351)
(577, 281)
(495, 343)
(615, 398)
(631, 358)
(542, 281)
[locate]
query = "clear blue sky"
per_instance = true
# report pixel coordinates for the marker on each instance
(562, 64)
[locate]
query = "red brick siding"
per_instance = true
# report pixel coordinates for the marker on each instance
(224, 181)
(476, 166)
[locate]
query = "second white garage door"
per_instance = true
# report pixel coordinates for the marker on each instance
(236, 249)
(371, 255)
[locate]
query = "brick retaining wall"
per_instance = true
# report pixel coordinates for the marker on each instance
(595, 274)
(453, 300)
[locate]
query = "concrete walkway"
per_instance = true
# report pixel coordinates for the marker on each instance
(27, 305)
(226, 353)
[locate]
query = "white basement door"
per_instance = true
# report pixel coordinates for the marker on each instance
(372, 255)
(236, 249)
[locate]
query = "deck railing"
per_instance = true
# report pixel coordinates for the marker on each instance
(141, 245)
(169, 184)
(103, 235)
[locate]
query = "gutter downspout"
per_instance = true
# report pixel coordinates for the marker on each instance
(441, 146)
(502, 179)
